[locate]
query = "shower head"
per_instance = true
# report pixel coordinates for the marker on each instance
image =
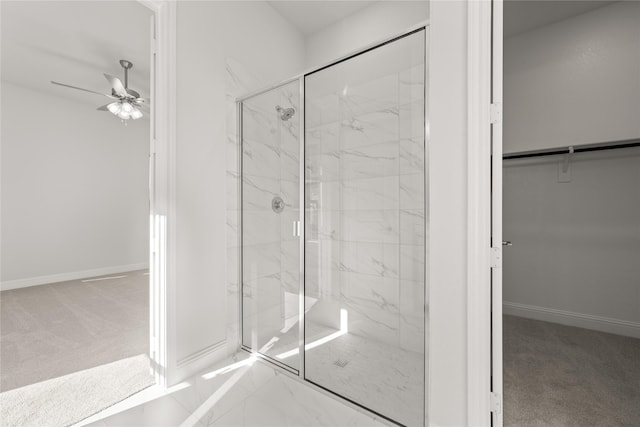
(285, 113)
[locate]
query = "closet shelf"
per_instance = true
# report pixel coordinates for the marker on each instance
(573, 149)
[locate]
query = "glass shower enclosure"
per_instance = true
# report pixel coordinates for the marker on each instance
(333, 220)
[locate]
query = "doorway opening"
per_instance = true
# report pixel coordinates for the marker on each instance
(75, 207)
(571, 213)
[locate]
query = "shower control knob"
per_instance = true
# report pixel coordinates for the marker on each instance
(277, 204)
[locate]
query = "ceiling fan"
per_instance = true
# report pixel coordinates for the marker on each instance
(127, 102)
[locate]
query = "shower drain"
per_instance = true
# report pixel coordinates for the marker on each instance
(341, 362)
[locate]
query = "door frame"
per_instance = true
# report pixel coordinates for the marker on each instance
(484, 214)
(162, 191)
(497, 392)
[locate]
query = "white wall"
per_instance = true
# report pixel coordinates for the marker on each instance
(209, 33)
(574, 81)
(369, 25)
(447, 218)
(74, 189)
(576, 244)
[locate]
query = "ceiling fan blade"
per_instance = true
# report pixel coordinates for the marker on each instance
(104, 107)
(133, 93)
(79, 88)
(116, 85)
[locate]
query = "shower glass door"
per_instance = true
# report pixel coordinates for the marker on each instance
(354, 323)
(270, 194)
(365, 210)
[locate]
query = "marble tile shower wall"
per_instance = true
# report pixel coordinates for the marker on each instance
(238, 81)
(366, 221)
(271, 168)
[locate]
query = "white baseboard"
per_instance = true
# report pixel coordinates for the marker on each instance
(569, 318)
(203, 353)
(73, 275)
(198, 361)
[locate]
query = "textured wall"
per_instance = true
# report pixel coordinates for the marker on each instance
(574, 81)
(576, 244)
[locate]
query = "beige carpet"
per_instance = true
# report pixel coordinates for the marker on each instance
(53, 330)
(557, 375)
(66, 400)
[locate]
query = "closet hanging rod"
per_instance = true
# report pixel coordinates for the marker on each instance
(576, 149)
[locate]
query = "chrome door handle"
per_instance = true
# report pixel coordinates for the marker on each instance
(506, 243)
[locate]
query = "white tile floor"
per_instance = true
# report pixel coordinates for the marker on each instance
(241, 391)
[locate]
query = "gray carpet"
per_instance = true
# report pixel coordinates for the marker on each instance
(52, 330)
(66, 400)
(557, 375)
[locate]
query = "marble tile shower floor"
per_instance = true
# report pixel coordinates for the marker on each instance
(379, 376)
(376, 375)
(241, 391)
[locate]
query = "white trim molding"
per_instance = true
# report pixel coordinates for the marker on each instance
(497, 389)
(570, 318)
(202, 353)
(478, 213)
(200, 360)
(162, 190)
(72, 275)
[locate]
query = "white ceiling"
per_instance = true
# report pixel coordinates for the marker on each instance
(74, 42)
(519, 15)
(312, 16)
(524, 15)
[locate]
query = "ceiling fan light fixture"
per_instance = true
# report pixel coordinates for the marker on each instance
(136, 114)
(114, 108)
(124, 115)
(127, 107)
